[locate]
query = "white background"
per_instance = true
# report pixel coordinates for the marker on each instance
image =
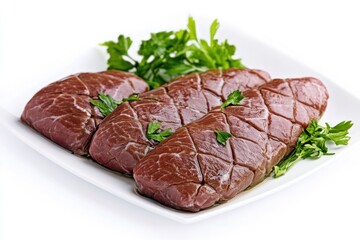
(39, 200)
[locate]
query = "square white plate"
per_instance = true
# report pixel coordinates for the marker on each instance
(341, 106)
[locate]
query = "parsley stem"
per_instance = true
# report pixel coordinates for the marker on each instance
(285, 165)
(312, 143)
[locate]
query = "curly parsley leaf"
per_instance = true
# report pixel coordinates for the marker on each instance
(234, 98)
(106, 104)
(312, 144)
(168, 54)
(221, 137)
(153, 133)
(119, 57)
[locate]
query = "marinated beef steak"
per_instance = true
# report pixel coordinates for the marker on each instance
(62, 111)
(191, 171)
(121, 141)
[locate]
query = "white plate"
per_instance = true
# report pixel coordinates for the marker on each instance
(341, 106)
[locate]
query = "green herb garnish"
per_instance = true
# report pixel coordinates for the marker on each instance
(169, 54)
(221, 137)
(154, 134)
(312, 144)
(134, 97)
(234, 98)
(106, 104)
(203, 55)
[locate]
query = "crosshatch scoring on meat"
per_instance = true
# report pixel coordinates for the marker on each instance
(62, 111)
(191, 171)
(120, 142)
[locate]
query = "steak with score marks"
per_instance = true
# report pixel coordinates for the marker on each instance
(121, 140)
(191, 170)
(62, 111)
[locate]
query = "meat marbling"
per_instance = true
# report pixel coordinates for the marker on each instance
(62, 111)
(121, 142)
(191, 171)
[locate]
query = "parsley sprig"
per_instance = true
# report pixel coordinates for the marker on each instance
(222, 137)
(106, 104)
(153, 133)
(234, 98)
(169, 54)
(312, 144)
